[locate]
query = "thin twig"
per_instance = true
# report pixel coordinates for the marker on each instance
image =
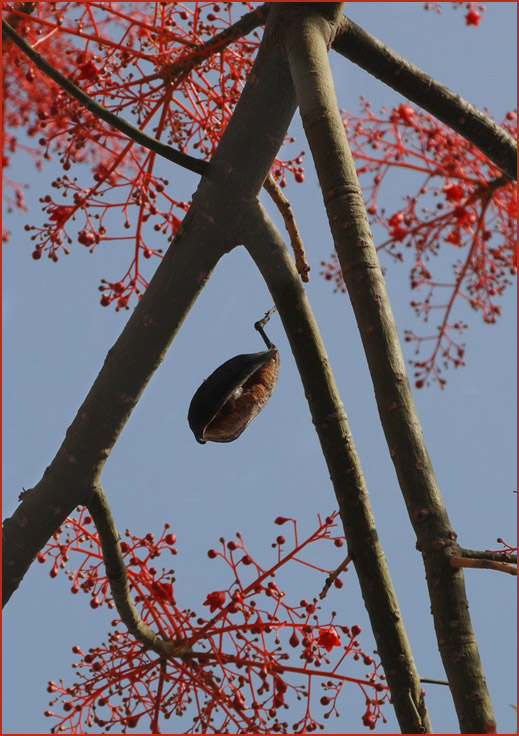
(330, 579)
(432, 681)
(14, 19)
(458, 561)
(260, 324)
(215, 44)
(382, 62)
(285, 209)
(143, 139)
(485, 554)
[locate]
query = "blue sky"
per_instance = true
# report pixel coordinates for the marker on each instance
(56, 337)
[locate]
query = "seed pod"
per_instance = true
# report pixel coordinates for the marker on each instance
(230, 398)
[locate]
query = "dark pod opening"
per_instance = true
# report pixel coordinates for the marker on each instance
(233, 395)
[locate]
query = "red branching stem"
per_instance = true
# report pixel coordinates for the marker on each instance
(460, 279)
(474, 208)
(235, 661)
(154, 726)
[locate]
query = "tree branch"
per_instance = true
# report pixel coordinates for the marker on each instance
(266, 247)
(143, 139)
(128, 367)
(368, 52)
(333, 576)
(307, 36)
(433, 681)
(16, 16)
(485, 554)
(116, 573)
(482, 564)
(199, 52)
(287, 214)
(262, 114)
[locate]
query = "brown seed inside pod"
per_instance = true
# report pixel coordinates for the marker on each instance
(243, 404)
(233, 395)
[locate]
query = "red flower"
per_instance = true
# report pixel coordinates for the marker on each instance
(472, 18)
(453, 192)
(329, 639)
(281, 520)
(88, 70)
(405, 113)
(162, 591)
(215, 600)
(60, 214)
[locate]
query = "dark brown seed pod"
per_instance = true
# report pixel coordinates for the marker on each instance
(230, 398)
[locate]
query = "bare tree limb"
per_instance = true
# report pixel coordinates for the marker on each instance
(482, 564)
(263, 115)
(375, 57)
(287, 213)
(128, 367)
(333, 576)
(485, 554)
(307, 37)
(143, 139)
(116, 573)
(266, 247)
(16, 16)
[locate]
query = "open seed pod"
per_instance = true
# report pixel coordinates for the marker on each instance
(230, 398)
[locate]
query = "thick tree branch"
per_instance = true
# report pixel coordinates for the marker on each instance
(116, 573)
(368, 52)
(307, 36)
(128, 367)
(266, 246)
(143, 139)
(262, 115)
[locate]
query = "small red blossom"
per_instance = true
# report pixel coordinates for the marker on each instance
(472, 18)
(281, 520)
(453, 192)
(215, 600)
(294, 639)
(88, 70)
(85, 237)
(163, 591)
(60, 214)
(403, 112)
(329, 639)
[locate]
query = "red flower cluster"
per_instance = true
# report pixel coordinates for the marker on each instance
(472, 16)
(463, 209)
(175, 72)
(255, 657)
